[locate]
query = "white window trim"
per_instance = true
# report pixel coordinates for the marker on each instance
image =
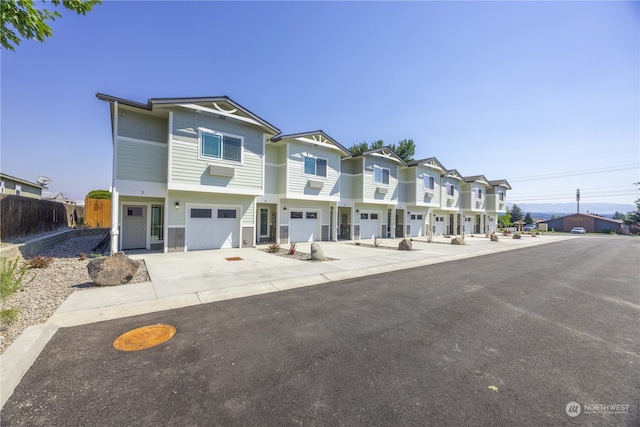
(18, 190)
(426, 177)
(383, 169)
(304, 156)
(2, 189)
(222, 134)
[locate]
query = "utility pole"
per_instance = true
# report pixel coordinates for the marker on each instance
(578, 199)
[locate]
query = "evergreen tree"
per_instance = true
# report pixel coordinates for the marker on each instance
(516, 213)
(528, 219)
(633, 217)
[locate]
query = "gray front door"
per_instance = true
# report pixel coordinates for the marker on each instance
(134, 227)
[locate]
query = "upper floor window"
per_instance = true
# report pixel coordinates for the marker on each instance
(479, 193)
(429, 182)
(18, 190)
(380, 175)
(315, 166)
(501, 196)
(215, 145)
(450, 190)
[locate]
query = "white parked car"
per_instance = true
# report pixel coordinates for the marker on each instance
(578, 230)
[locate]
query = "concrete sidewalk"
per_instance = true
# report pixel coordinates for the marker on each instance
(191, 278)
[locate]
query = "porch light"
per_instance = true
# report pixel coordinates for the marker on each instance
(177, 205)
(285, 209)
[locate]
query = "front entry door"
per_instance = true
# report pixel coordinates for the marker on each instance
(134, 227)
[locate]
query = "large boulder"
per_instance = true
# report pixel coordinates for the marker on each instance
(494, 237)
(458, 241)
(517, 236)
(113, 270)
(405, 245)
(317, 254)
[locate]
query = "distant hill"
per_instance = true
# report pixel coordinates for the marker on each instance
(544, 210)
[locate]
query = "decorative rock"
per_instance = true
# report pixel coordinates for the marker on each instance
(405, 245)
(317, 254)
(457, 241)
(113, 270)
(517, 236)
(494, 237)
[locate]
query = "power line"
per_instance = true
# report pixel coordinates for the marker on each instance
(563, 191)
(572, 197)
(576, 173)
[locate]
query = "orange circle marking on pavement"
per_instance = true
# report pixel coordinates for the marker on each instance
(144, 337)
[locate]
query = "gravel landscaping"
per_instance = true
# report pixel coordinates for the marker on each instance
(45, 289)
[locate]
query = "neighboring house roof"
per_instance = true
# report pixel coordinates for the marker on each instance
(601, 218)
(477, 178)
(453, 173)
(317, 137)
(191, 102)
(384, 152)
(20, 180)
(431, 162)
(500, 183)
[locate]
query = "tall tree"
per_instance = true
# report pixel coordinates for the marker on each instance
(618, 215)
(528, 219)
(30, 22)
(359, 148)
(516, 213)
(633, 217)
(405, 149)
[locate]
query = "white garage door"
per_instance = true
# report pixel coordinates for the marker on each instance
(369, 225)
(303, 226)
(212, 228)
(416, 224)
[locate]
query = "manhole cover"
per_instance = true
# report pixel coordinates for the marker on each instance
(234, 258)
(144, 337)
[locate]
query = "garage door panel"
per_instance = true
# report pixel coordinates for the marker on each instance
(369, 225)
(416, 223)
(212, 228)
(303, 226)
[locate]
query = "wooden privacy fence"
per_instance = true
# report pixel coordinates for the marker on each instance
(97, 212)
(23, 216)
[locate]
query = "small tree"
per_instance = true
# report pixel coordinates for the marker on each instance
(618, 215)
(504, 221)
(633, 217)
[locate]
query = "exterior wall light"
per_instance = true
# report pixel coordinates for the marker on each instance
(285, 209)
(177, 205)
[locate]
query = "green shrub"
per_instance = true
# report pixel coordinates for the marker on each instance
(11, 275)
(9, 315)
(99, 194)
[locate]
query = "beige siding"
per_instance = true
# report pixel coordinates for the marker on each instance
(298, 180)
(141, 162)
(132, 124)
(370, 193)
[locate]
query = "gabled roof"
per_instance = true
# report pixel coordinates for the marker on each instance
(317, 137)
(430, 162)
(617, 221)
(500, 183)
(480, 179)
(384, 152)
(20, 180)
(453, 173)
(236, 111)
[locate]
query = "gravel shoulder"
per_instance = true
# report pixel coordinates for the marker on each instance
(45, 289)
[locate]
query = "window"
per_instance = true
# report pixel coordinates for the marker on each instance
(364, 216)
(1, 187)
(380, 175)
(134, 211)
(413, 217)
(419, 217)
(312, 215)
(450, 190)
(374, 216)
(227, 213)
(18, 190)
(296, 215)
(264, 221)
(429, 183)
(200, 213)
(501, 196)
(221, 146)
(315, 166)
(479, 193)
(157, 223)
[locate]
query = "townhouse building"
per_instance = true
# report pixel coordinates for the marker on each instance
(206, 173)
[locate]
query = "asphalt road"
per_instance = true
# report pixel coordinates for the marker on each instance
(545, 326)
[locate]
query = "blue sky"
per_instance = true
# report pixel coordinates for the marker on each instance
(544, 94)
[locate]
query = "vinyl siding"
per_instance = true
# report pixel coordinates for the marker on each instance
(141, 162)
(456, 198)
(350, 186)
(186, 168)
(298, 180)
(370, 194)
(143, 126)
(420, 194)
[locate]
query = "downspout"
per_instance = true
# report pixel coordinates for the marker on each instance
(115, 200)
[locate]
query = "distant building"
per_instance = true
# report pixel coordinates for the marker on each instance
(19, 187)
(591, 223)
